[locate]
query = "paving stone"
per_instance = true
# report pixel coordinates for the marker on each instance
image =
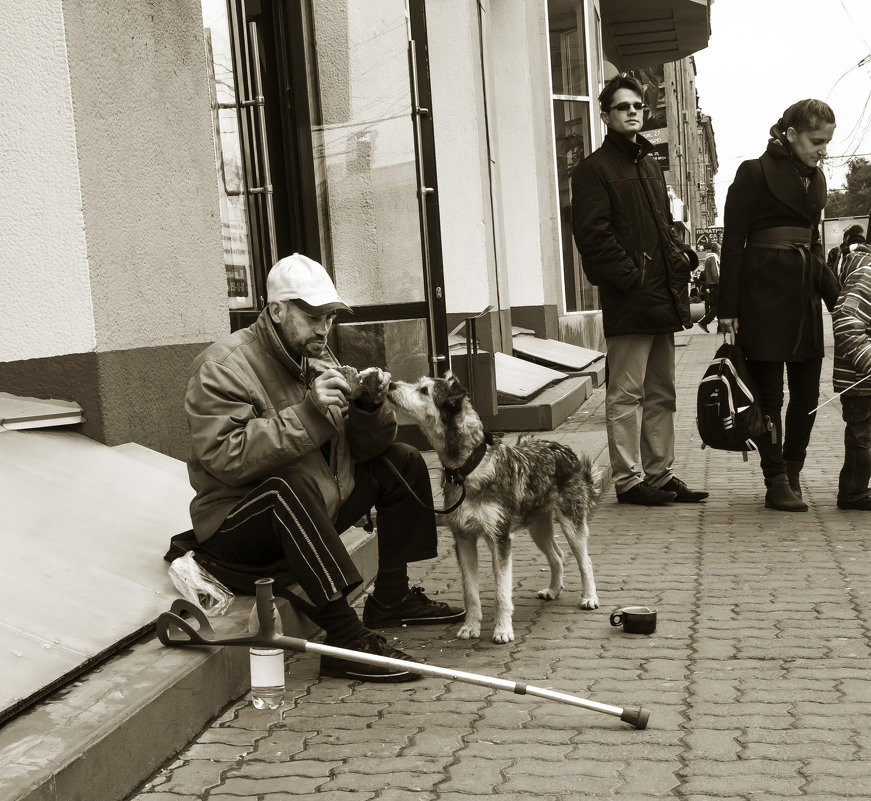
(394, 780)
(216, 752)
(195, 777)
(255, 788)
(475, 775)
(298, 768)
(720, 744)
(649, 778)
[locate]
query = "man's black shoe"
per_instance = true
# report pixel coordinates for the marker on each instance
(415, 609)
(369, 643)
(703, 326)
(860, 504)
(645, 495)
(683, 492)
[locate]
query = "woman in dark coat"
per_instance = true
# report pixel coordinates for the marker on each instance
(773, 281)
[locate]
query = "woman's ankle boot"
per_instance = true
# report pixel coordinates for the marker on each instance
(780, 496)
(792, 472)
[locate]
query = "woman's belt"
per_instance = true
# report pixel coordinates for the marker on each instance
(782, 238)
(797, 239)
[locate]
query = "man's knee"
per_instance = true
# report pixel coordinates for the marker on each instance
(299, 484)
(406, 458)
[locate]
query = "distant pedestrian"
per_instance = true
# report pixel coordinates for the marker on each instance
(711, 286)
(853, 237)
(851, 326)
(622, 226)
(773, 280)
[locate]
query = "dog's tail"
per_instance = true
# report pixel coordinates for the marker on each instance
(593, 474)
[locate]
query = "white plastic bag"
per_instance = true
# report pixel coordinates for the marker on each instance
(199, 586)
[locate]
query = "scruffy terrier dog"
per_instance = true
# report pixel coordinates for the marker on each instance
(507, 487)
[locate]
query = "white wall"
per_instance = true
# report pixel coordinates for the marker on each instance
(147, 169)
(46, 301)
(513, 113)
(109, 219)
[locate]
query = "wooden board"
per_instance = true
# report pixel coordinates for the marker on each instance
(521, 379)
(561, 355)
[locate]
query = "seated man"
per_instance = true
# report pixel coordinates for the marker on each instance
(282, 463)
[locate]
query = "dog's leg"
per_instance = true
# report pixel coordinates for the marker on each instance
(541, 530)
(466, 549)
(500, 549)
(577, 535)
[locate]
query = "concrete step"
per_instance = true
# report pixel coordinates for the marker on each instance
(545, 411)
(116, 724)
(570, 359)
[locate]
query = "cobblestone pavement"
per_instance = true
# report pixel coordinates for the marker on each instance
(757, 677)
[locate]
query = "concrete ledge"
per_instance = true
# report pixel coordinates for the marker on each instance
(115, 726)
(545, 411)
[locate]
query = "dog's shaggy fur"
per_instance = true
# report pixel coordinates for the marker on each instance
(524, 485)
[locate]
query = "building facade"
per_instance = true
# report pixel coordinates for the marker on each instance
(165, 154)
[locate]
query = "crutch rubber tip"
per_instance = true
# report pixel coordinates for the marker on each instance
(636, 717)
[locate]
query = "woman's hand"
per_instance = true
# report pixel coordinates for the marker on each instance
(728, 325)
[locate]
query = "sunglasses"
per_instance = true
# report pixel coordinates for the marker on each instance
(627, 106)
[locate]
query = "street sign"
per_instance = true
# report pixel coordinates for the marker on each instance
(705, 237)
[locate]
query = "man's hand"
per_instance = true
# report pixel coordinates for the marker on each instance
(330, 389)
(373, 387)
(728, 325)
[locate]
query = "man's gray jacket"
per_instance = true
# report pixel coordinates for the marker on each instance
(251, 416)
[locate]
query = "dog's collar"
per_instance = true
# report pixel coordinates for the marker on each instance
(457, 475)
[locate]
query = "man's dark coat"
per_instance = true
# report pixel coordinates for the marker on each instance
(622, 226)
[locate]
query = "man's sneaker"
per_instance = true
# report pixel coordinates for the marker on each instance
(645, 495)
(415, 609)
(369, 643)
(683, 492)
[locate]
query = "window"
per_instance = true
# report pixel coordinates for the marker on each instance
(570, 83)
(228, 156)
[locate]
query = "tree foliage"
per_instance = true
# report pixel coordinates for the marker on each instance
(855, 199)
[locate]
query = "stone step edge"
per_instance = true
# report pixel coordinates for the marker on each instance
(117, 724)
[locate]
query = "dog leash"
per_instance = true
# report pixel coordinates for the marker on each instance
(414, 495)
(456, 477)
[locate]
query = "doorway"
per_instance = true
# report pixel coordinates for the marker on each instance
(324, 146)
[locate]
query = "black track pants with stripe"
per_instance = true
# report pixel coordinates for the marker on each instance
(283, 526)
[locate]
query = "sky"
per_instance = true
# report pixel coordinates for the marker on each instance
(764, 55)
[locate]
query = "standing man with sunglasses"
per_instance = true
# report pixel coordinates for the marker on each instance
(622, 226)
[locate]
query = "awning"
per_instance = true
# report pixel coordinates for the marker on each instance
(638, 33)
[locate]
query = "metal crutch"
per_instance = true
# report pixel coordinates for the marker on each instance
(173, 630)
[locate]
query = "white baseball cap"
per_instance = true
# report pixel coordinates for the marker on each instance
(306, 283)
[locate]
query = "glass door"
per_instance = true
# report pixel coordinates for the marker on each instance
(262, 142)
(374, 161)
(324, 146)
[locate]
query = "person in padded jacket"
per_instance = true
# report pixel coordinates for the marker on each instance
(622, 226)
(282, 463)
(851, 377)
